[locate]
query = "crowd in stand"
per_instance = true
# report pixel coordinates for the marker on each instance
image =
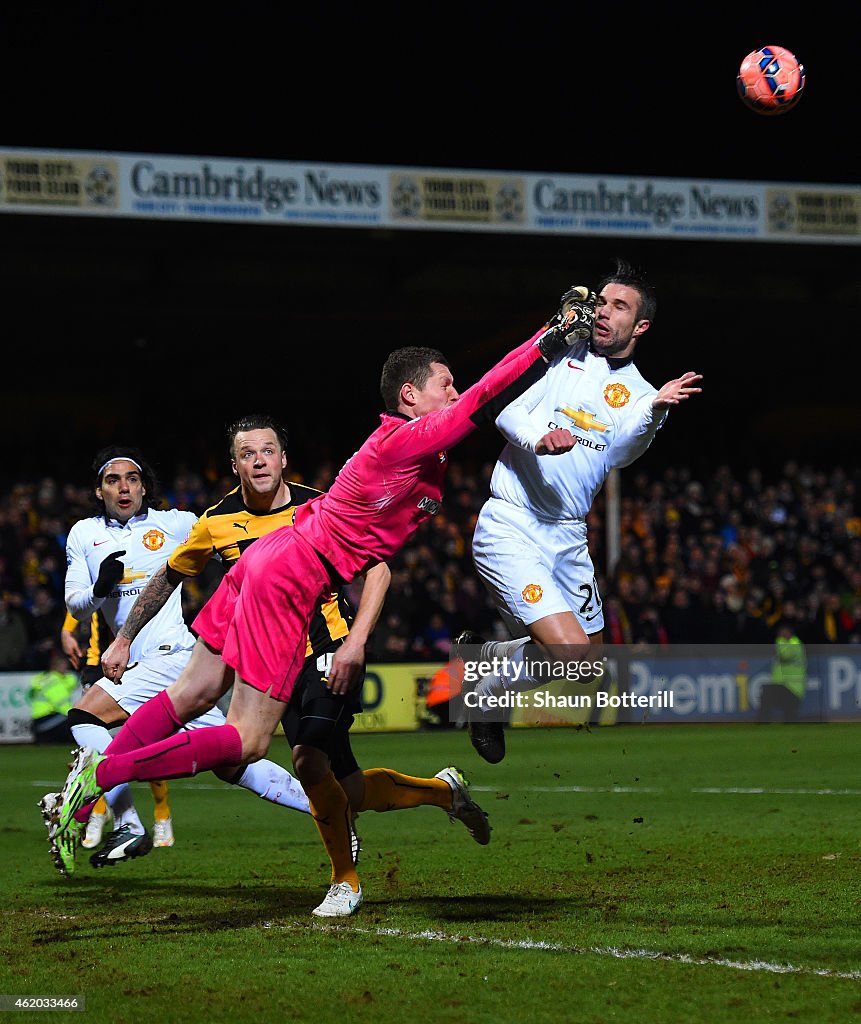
(716, 560)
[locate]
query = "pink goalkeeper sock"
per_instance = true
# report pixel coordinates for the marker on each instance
(155, 720)
(187, 753)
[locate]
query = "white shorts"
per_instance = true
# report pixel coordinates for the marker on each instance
(147, 678)
(533, 568)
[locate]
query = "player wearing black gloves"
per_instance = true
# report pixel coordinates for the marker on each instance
(111, 571)
(392, 484)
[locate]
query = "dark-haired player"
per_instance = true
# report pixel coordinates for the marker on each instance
(590, 413)
(391, 485)
(264, 501)
(316, 720)
(110, 558)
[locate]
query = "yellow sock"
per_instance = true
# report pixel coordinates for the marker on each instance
(100, 806)
(159, 795)
(331, 812)
(386, 790)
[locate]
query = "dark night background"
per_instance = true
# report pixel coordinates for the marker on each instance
(160, 333)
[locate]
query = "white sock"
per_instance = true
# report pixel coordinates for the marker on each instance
(91, 735)
(500, 649)
(516, 671)
(489, 686)
(119, 798)
(509, 656)
(123, 809)
(273, 783)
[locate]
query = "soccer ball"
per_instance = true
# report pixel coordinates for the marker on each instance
(770, 80)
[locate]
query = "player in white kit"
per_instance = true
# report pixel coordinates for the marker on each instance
(591, 412)
(110, 557)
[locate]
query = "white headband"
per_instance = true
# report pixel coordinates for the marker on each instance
(119, 458)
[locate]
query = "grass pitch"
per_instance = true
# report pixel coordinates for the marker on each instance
(635, 873)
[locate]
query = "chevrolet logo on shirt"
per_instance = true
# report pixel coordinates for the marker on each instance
(582, 419)
(130, 576)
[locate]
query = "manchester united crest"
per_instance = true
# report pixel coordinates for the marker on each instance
(532, 593)
(616, 395)
(153, 540)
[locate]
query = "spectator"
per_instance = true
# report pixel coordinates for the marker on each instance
(682, 621)
(52, 693)
(780, 699)
(721, 624)
(753, 629)
(436, 637)
(794, 537)
(391, 641)
(46, 616)
(13, 635)
(829, 625)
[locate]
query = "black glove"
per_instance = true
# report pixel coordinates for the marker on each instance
(577, 309)
(111, 571)
(573, 322)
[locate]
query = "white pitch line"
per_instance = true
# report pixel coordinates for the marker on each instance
(706, 790)
(609, 951)
(755, 790)
(720, 790)
(569, 789)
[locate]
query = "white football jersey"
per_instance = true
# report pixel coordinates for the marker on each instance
(608, 410)
(147, 539)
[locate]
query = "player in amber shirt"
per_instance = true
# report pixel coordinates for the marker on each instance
(110, 559)
(256, 623)
(263, 502)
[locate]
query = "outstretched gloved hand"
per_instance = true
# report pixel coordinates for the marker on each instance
(573, 322)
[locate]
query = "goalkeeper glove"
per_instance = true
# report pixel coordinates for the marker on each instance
(573, 322)
(111, 571)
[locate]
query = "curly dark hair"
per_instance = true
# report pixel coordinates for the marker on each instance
(125, 451)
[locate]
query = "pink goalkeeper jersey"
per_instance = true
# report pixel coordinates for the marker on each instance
(258, 617)
(394, 482)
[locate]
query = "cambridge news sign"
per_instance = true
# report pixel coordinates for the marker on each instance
(219, 189)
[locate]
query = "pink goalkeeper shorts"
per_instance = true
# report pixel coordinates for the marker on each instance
(258, 617)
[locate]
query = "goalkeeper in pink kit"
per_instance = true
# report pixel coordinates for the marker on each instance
(257, 621)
